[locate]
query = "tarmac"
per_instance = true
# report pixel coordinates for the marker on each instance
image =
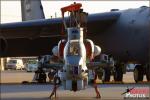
(12, 89)
(13, 76)
(42, 92)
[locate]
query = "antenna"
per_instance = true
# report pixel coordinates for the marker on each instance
(55, 15)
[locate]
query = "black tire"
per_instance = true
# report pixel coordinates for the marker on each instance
(74, 85)
(29, 71)
(148, 73)
(106, 75)
(138, 73)
(118, 74)
(42, 78)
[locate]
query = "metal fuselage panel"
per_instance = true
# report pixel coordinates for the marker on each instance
(128, 39)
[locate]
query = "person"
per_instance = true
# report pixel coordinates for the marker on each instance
(40, 75)
(95, 86)
(51, 75)
(57, 82)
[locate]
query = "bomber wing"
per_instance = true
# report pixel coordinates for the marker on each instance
(37, 37)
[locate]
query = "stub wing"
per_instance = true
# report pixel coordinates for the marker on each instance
(56, 66)
(97, 65)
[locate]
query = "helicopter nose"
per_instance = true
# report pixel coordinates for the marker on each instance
(75, 70)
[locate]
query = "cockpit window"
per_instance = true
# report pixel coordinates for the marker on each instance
(13, 61)
(32, 62)
(74, 48)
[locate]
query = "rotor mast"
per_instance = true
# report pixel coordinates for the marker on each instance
(77, 18)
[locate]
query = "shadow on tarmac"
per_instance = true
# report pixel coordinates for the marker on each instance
(58, 98)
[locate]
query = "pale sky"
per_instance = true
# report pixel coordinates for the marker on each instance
(11, 10)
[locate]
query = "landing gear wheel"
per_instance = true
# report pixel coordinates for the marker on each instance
(138, 73)
(148, 72)
(106, 75)
(118, 74)
(74, 85)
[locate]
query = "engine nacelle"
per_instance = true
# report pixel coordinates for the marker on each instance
(59, 50)
(89, 45)
(61, 46)
(91, 49)
(55, 51)
(97, 50)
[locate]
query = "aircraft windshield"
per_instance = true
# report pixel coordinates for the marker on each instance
(13, 61)
(32, 62)
(74, 48)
